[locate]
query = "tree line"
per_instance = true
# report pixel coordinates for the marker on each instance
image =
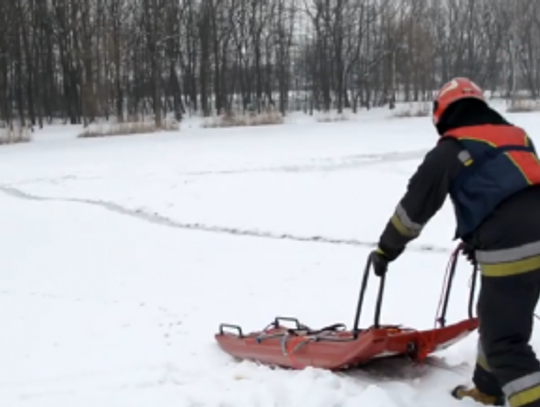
(82, 60)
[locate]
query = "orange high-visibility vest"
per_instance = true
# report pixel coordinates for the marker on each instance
(498, 161)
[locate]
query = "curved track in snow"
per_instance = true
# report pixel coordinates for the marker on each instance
(156, 218)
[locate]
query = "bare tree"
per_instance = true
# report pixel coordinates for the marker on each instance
(80, 61)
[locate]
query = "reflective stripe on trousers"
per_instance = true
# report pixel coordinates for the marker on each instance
(509, 262)
(519, 392)
(523, 391)
(481, 357)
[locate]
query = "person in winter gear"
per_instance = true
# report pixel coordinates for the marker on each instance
(491, 172)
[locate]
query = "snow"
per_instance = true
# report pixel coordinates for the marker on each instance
(121, 256)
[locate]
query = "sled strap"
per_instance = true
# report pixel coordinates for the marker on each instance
(297, 343)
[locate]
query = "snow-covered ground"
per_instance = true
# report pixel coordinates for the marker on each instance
(120, 257)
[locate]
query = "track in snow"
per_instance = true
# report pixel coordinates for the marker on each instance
(156, 218)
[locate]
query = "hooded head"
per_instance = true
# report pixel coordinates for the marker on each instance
(461, 103)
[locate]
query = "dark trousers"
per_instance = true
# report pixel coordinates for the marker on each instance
(506, 362)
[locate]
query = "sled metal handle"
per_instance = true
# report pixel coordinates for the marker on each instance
(448, 288)
(472, 291)
(362, 295)
(238, 329)
(278, 320)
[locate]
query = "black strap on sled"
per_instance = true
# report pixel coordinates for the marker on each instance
(378, 305)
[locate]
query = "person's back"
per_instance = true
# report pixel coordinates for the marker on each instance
(491, 172)
(514, 222)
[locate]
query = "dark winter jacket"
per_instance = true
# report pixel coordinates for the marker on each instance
(507, 242)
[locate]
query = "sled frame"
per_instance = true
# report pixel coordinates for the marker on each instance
(300, 329)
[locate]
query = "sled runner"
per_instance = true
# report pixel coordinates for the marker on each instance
(336, 348)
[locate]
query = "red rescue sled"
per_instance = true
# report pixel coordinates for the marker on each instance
(335, 348)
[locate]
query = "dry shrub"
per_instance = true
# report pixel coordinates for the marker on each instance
(15, 134)
(523, 106)
(126, 129)
(330, 117)
(231, 119)
(422, 109)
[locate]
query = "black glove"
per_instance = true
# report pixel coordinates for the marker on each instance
(467, 251)
(379, 261)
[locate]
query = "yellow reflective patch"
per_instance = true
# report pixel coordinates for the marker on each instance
(482, 362)
(468, 162)
(511, 268)
(401, 228)
(525, 397)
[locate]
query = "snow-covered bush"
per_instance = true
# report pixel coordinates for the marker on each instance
(232, 119)
(331, 117)
(523, 106)
(126, 129)
(413, 109)
(11, 134)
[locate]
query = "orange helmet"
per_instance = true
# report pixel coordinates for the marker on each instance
(456, 89)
